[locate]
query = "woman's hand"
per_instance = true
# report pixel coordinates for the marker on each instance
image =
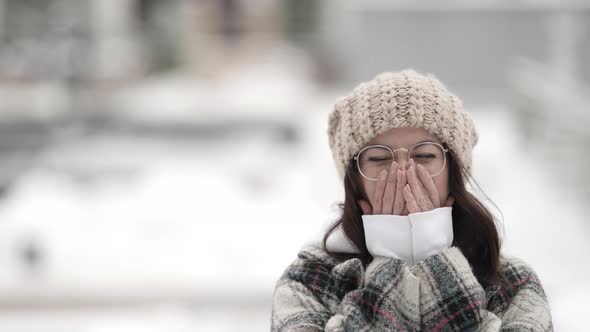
(388, 197)
(397, 188)
(420, 193)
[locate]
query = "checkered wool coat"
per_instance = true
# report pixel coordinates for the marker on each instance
(320, 293)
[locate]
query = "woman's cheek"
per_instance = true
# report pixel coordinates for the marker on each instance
(369, 188)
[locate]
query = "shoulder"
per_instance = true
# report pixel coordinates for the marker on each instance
(313, 263)
(517, 272)
(520, 279)
(323, 274)
(309, 260)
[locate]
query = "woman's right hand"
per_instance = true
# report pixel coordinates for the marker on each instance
(388, 197)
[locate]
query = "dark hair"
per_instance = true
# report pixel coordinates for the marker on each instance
(474, 228)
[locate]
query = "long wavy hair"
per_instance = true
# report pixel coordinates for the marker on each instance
(474, 227)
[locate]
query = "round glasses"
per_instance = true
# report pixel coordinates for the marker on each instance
(372, 159)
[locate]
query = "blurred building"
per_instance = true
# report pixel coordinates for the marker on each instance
(127, 39)
(471, 45)
(72, 64)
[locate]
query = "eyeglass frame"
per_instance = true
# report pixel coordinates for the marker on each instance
(445, 151)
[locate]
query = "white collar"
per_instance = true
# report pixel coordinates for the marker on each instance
(410, 238)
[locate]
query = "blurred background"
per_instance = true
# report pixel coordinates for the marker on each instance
(162, 161)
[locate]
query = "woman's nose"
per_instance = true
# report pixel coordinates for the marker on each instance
(403, 163)
(401, 157)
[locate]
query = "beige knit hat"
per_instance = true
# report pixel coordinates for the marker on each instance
(399, 99)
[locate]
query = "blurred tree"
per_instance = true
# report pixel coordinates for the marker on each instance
(232, 20)
(159, 26)
(301, 19)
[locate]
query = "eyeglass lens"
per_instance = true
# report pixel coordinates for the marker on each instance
(375, 159)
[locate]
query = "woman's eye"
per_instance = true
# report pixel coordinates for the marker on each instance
(424, 156)
(379, 158)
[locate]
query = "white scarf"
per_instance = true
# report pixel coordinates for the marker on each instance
(410, 238)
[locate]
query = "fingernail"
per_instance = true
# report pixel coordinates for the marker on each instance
(399, 175)
(394, 165)
(412, 162)
(383, 174)
(420, 166)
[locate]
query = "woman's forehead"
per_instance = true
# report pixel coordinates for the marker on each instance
(401, 137)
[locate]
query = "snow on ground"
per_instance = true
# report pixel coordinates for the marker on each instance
(211, 220)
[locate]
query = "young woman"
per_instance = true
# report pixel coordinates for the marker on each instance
(413, 249)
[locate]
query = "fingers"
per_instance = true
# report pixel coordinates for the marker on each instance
(410, 200)
(428, 184)
(389, 194)
(377, 201)
(366, 207)
(417, 189)
(397, 188)
(399, 202)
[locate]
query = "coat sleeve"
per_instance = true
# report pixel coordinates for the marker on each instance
(315, 294)
(451, 299)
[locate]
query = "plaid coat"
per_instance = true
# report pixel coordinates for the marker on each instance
(320, 293)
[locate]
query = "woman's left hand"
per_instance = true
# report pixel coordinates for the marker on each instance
(420, 193)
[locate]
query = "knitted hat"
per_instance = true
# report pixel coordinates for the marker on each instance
(399, 99)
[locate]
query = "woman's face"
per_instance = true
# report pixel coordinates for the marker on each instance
(407, 137)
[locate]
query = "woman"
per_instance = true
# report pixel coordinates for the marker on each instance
(413, 250)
